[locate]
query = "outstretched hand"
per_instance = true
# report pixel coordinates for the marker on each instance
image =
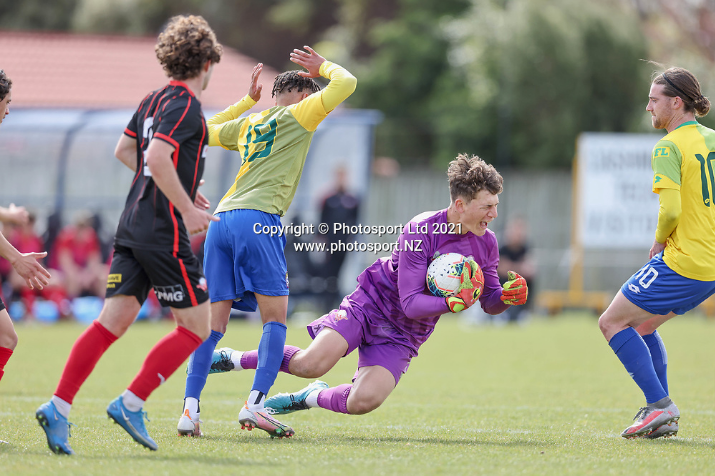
(309, 59)
(32, 272)
(254, 90)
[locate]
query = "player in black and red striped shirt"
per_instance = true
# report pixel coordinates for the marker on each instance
(164, 144)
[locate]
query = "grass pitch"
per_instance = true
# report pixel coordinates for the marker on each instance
(549, 397)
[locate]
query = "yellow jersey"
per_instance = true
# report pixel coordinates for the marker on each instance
(683, 160)
(274, 143)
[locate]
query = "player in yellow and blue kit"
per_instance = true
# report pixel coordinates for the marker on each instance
(244, 266)
(681, 272)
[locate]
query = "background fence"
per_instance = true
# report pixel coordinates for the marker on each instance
(57, 160)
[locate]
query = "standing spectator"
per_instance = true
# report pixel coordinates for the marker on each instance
(342, 208)
(515, 254)
(164, 144)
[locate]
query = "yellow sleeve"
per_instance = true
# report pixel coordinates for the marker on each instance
(230, 114)
(312, 110)
(668, 213)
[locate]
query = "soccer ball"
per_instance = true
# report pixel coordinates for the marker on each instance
(444, 274)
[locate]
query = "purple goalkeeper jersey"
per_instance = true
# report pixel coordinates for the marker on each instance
(392, 292)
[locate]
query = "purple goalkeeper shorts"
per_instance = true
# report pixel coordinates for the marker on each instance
(366, 335)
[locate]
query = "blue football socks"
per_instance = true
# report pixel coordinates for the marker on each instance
(659, 356)
(199, 366)
(270, 356)
(633, 353)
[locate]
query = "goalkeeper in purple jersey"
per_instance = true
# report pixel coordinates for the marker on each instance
(391, 314)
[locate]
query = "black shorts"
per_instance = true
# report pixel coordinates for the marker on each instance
(177, 280)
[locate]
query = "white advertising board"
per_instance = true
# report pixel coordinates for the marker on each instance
(616, 205)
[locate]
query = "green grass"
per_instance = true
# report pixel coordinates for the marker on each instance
(546, 398)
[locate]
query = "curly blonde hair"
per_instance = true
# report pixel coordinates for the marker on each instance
(470, 175)
(185, 45)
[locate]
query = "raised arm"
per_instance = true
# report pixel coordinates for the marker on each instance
(312, 110)
(342, 83)
(234, 112)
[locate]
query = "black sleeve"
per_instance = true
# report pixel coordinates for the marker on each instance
(178, 121)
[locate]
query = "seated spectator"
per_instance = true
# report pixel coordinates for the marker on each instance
(9, 218)
(77, 256)
(24, 238)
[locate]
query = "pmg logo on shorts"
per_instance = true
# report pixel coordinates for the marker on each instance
(173, 293)
(341, 315)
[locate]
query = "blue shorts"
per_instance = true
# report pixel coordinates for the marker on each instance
(238, 261)
(659, 290)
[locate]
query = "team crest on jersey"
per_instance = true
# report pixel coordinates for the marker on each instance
(173, 293)
(341, 315)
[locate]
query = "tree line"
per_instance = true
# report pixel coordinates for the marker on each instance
(515, 81)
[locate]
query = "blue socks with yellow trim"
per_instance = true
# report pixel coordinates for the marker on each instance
(633, 353)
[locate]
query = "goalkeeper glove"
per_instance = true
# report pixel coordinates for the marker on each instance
(514, 291)
(470, 288)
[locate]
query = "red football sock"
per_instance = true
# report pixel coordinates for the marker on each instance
(166, 356)
(86, 352)
(5, 354)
